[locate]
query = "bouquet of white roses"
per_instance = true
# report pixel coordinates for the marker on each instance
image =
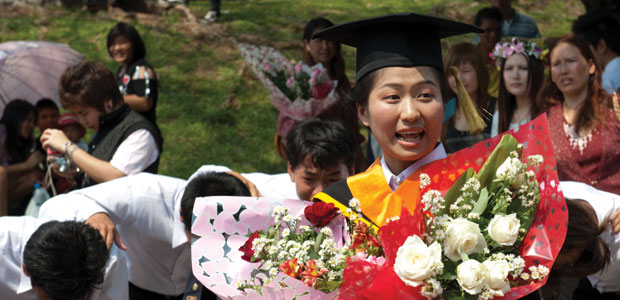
(489, 224)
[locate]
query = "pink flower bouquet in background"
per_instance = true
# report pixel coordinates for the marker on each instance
(297, 90)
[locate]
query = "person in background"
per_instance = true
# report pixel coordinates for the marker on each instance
(70, 125)
(329, 55)
(472, 72)
(319, 153)
(151, 213)
(600, 28)
(213, 15)
(44, 259)
(591, 248)
(124, 143)
(515, 24)
(489, 19)
(136, 78)
(584, 130)
(47, 114)
(522, 74)
(19, 161)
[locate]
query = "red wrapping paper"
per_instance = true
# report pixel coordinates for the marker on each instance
(541, 244)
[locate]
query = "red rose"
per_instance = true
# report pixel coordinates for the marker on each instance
(322, 90)
(320, 213)
(247, 248)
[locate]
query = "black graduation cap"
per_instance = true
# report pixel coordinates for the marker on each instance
(405, 40)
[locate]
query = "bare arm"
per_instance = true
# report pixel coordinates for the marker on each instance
(19, 168)
(97, 169)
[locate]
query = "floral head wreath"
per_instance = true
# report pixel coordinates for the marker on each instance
(506, 49)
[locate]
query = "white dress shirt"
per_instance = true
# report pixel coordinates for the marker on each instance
(146, 210)
(137, 152)
(604, 205)
(277, 186)
(394, 181)
(15, 285)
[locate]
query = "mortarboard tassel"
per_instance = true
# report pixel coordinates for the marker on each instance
(474, 120)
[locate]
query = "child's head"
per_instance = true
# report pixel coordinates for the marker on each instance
(70, 125)
(471, 64)
(65, 260)
(89, 90)
(47, 114)
(209, 184)
(319, 152)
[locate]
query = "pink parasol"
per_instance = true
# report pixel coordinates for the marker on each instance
(30, 70)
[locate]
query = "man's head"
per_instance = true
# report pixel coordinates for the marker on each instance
(599, 28)
(319, 153)
(89, 90)
(65, 260)
(502, 4)
(47, 114)
(209, 184)
(489, 19)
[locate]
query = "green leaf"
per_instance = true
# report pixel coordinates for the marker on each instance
(481, 204)
(327, 286)
(318, 242)
(455, 191)
(464, 257)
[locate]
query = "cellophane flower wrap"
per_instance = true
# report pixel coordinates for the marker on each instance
(297, 90)
(257, 248)
(489, 224)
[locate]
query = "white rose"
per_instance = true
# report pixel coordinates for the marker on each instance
(471, 276)
(463, 236)
(416, 262)
(497, 275)
(508, 169)
(504, 229)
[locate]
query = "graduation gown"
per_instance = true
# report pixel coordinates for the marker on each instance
(378, 202)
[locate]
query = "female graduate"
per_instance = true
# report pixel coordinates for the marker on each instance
(398, 92)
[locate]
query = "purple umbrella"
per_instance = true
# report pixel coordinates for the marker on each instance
(30, 70)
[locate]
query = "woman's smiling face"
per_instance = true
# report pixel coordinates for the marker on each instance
(405, 113)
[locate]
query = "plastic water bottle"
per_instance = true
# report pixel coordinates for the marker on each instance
(39, 196)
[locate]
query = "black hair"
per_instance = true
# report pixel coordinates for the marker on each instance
(46, 103)
(488, 13)
(361, 92)
(602, 23)
(15, 113)
(337, 64)
(126, 29)
(327, 143)
(209, 184)
(66, 259)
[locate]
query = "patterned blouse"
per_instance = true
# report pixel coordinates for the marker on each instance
(592, 157)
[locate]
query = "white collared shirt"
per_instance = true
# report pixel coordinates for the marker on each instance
(146, 210)
(15, 285)
(611, 76)
(136, 152)
(278, 186)
(604, 204)
(394, 181)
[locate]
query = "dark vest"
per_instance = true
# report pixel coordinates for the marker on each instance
(114, 128)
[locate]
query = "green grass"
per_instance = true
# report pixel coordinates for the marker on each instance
(198, 74)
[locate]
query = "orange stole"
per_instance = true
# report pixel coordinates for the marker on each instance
(378, 201)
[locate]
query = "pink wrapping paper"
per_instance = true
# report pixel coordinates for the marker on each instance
(222, 225)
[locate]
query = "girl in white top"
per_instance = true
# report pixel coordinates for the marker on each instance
(521, 78)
